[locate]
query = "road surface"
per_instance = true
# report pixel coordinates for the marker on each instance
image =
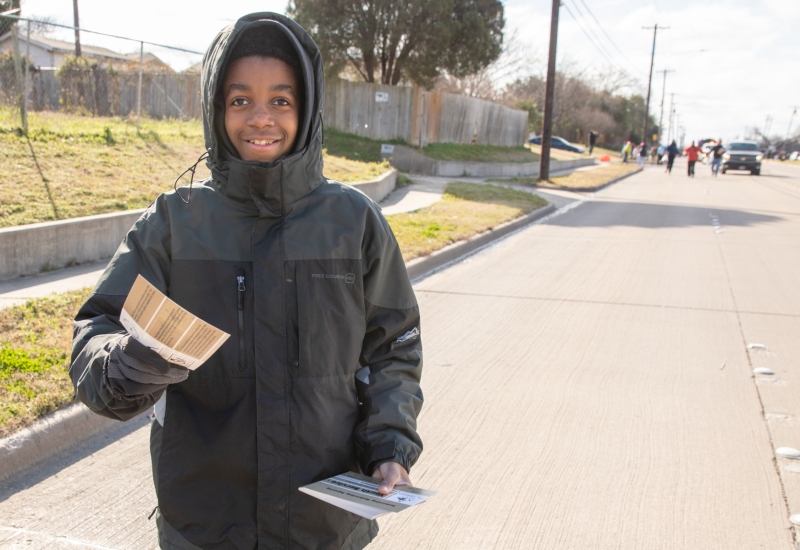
(588, 385)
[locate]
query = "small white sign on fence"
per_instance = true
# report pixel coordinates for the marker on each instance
(381, 97)
(387, 149)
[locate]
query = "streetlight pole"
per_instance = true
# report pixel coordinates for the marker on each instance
(549, 96)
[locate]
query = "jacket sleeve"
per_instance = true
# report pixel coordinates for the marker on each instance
(392, 350)
(97, 327)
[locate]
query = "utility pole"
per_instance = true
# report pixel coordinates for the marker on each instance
(789, 129)
(671, 115)
(663, 92)
(650, 81)
(549, 96)
(77, 27)
(765, 133)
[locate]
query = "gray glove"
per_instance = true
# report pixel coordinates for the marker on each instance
(134, 369)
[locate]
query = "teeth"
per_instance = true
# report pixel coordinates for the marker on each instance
(261, 141)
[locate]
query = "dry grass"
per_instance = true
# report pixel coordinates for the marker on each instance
(579, 180)
(478, 153)
(79, 166)
(590, 179)
(558, 154)
(466, 209)
(351, 171)
(35, 343)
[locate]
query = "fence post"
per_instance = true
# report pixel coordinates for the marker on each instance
(139, 89)
(27, 66)
(18, 72)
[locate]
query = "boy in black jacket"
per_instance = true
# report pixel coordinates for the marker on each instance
(306, 276)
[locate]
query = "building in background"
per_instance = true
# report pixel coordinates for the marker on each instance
(48, 52)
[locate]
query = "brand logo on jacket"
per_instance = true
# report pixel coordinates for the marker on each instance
(348, 278)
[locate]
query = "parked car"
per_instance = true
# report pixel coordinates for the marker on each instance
(558, 143)
(742, 155)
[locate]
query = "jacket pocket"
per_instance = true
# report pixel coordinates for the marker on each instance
(330, 317)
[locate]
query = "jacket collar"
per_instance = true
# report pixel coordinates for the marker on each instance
(274, 186)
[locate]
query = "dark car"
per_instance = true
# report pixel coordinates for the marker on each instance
(558, 143)
(742, 155)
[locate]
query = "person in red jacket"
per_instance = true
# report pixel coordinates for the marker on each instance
(692, 152)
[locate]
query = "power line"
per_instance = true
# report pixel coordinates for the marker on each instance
(611, 40)
(599, 50)
(14, 17)
(599, 41)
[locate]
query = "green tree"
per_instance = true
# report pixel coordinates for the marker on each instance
(5, 23)
(389, 41)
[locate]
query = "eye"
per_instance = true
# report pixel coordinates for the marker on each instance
(283, 102)
(238, 102)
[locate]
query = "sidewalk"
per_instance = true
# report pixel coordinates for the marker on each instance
(427, 190)
(18, 291)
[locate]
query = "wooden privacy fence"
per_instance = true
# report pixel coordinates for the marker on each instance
(380, 112)
(372, 110)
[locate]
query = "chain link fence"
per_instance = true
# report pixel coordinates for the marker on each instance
(40, 71)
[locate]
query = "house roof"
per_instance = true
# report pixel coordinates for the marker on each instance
(62, 46)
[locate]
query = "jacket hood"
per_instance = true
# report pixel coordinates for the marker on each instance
(288, 178)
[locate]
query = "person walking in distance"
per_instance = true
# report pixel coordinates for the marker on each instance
(626, 151)
(716, 157)
(642, 153)
(592, 140)
(692, 153)
(672, 152)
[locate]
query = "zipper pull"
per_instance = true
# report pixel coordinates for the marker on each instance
(240, 280)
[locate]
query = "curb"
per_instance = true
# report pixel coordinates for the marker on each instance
(32, 248)
(596, 187)
(50, 435)
(378, 188)
(439, 259)
(74, 424)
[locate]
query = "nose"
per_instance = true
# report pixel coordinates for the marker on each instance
(261, 117)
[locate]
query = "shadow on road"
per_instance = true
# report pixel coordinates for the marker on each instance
(634, 214)
(55, 464)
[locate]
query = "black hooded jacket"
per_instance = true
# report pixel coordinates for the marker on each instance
(306, 276)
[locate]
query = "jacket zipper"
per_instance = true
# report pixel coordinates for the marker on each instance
(240, 287)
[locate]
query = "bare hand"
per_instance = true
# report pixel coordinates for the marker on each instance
(392, 474)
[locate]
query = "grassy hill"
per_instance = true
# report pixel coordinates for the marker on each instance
(79, 166)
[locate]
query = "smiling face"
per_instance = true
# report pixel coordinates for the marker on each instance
(262, 109)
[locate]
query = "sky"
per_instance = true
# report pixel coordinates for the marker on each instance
(736, 62)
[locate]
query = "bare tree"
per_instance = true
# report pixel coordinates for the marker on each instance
(518, 60)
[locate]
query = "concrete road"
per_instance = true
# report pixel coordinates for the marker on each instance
(588, 386)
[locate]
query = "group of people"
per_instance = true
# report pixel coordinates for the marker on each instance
(693, 153)
(658, 153)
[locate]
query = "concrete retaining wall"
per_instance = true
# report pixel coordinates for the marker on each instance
(377, 189)
(29, 249)
(409, 160)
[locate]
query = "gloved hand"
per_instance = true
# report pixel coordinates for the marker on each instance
(133, 369)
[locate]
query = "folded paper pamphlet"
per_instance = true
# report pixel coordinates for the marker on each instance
(161, 324)
(359, 495)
